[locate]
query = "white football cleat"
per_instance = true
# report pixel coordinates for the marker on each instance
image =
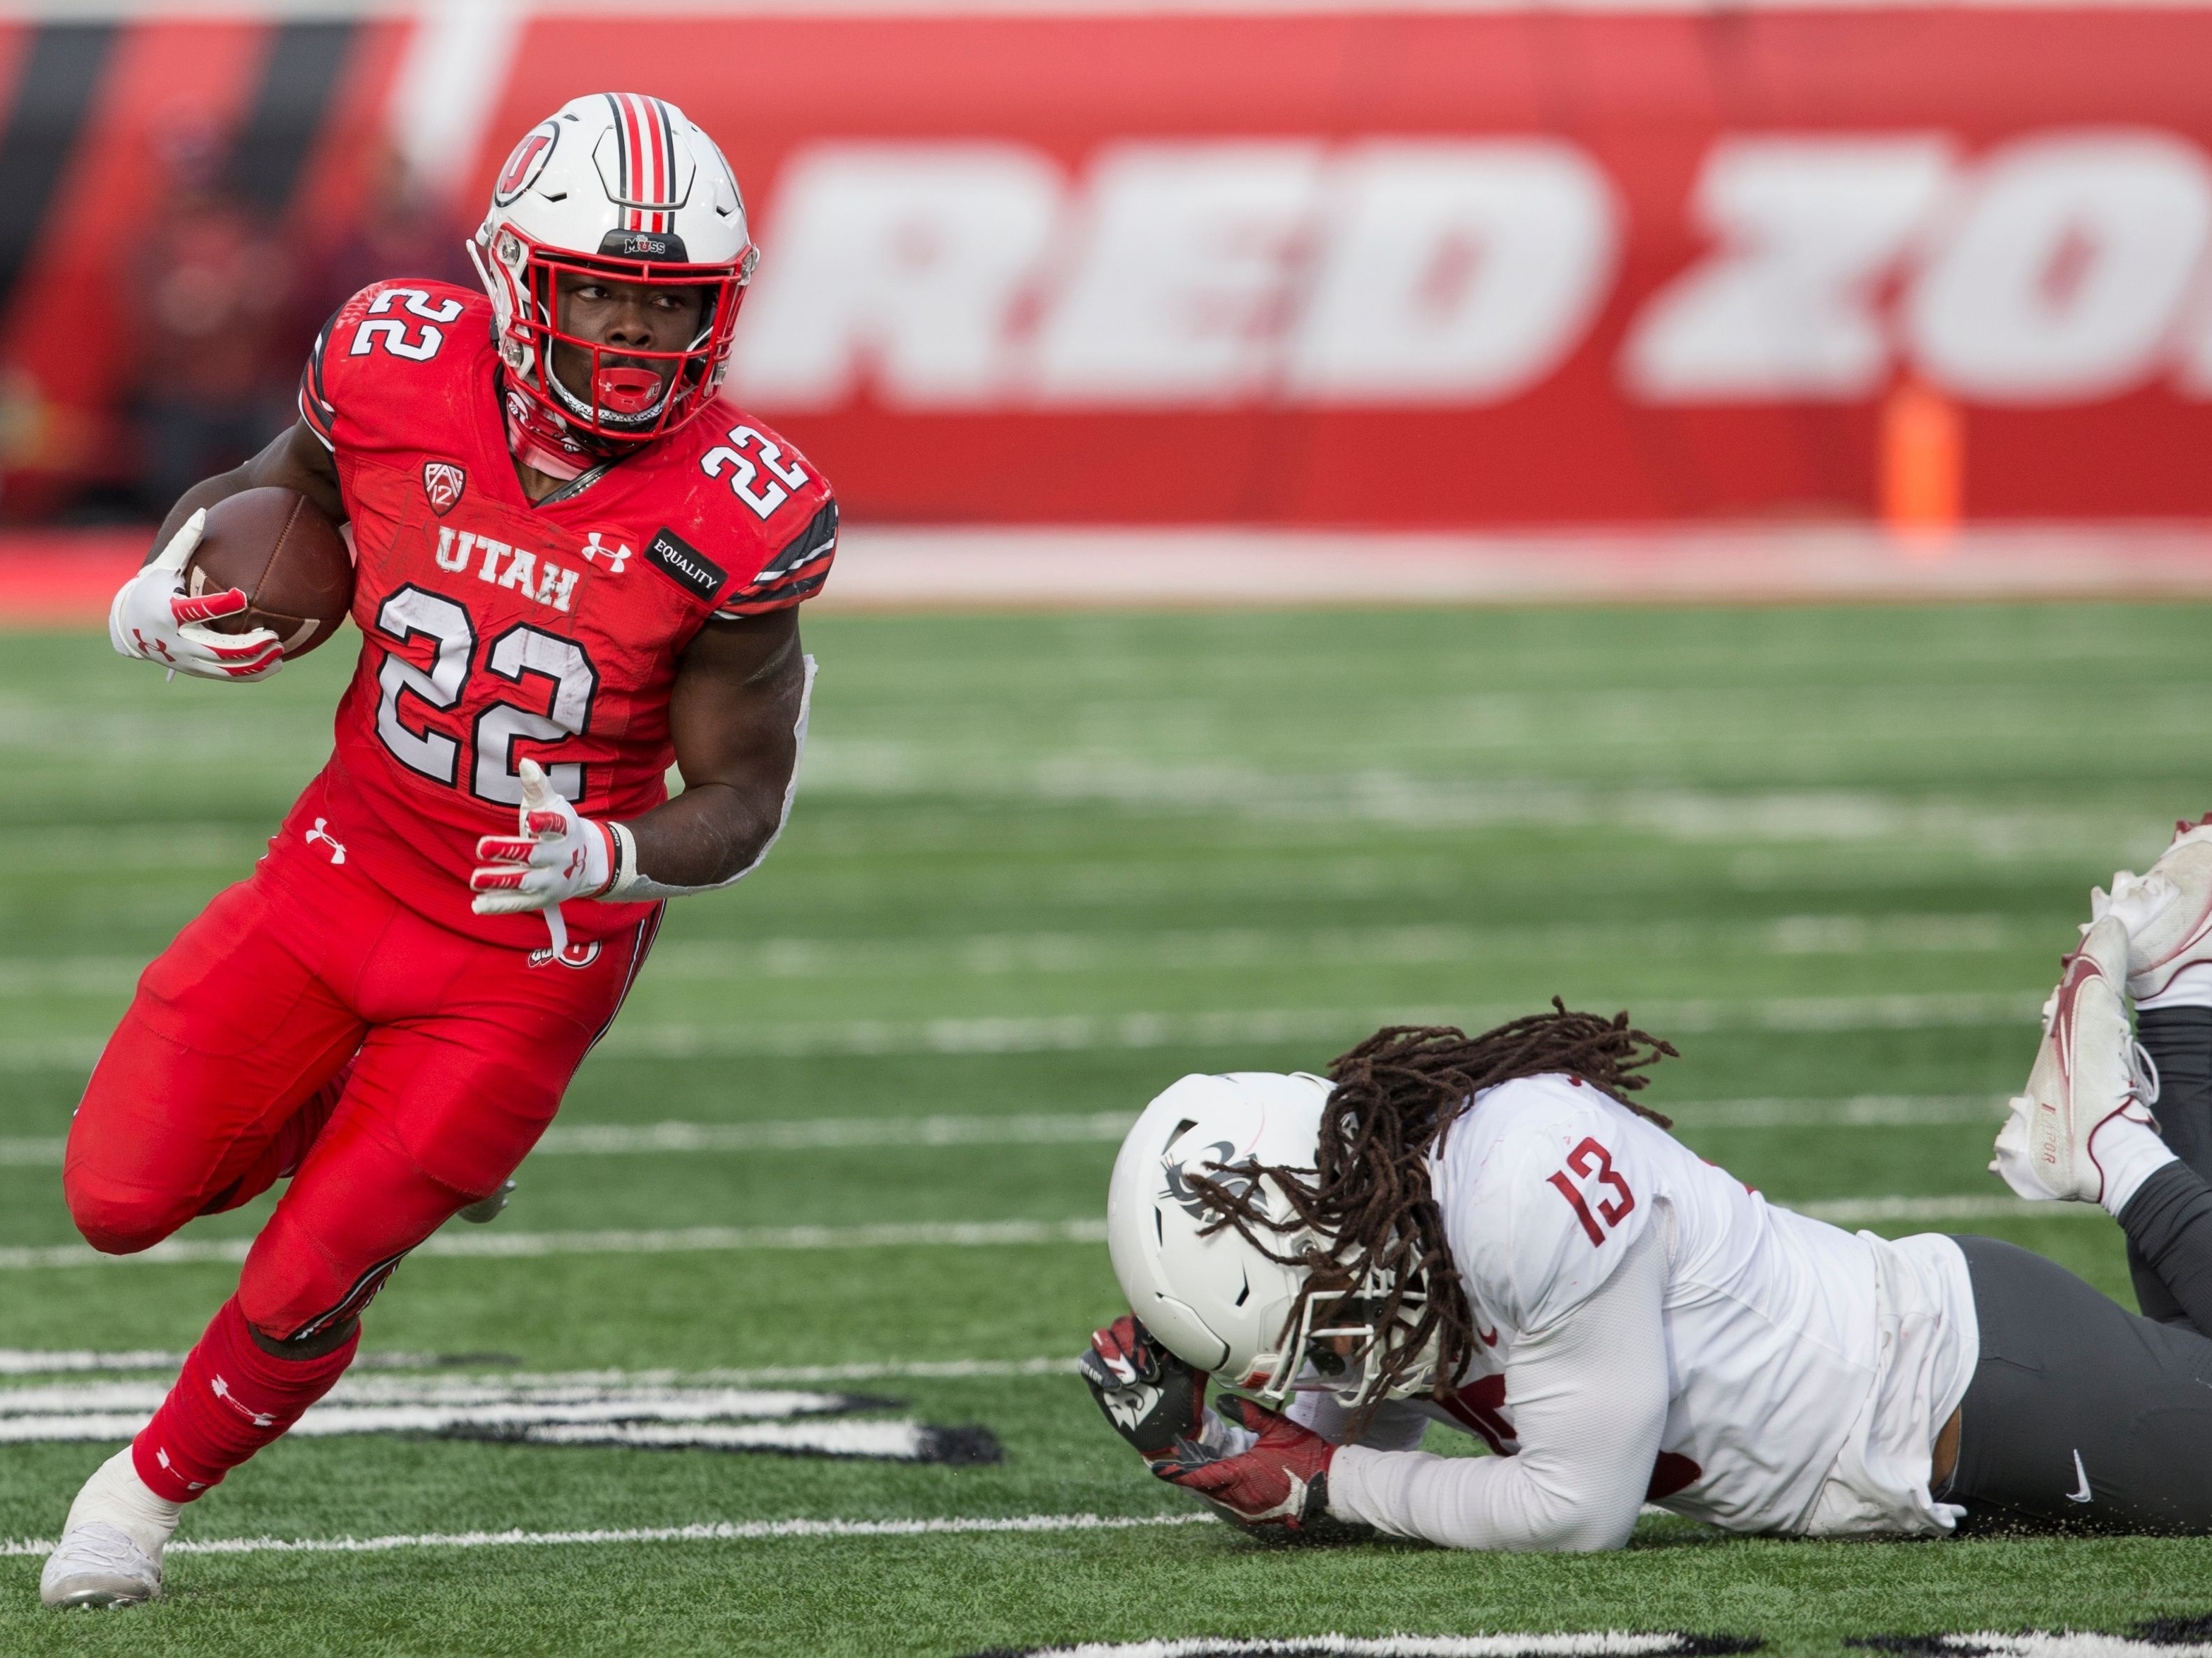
(2167, 912)
(2087, 1073)
(110, 1554)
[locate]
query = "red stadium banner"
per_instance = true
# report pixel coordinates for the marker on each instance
(1434, 268)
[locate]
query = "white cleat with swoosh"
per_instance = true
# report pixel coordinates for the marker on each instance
(2087, 1073)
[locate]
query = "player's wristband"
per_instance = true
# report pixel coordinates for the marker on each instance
(622, 888)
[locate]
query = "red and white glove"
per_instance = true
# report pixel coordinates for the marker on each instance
(1282, 1480)
(152, 619)
(557, 854)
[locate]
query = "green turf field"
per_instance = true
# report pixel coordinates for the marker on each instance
(1039, 867)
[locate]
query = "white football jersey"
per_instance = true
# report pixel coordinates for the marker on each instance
(1809, 1369)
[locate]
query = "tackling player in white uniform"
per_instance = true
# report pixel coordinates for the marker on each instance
(1485, 1232)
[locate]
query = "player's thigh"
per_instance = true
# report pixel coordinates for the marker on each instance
(470, 1080)
(2081, 1414)
(227, 1031)
(437, 1113)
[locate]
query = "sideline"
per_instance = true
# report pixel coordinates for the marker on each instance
(65, 579)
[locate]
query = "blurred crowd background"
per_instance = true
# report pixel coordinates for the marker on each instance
(1425, 266)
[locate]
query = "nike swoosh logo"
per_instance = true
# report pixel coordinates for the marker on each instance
(2082, 1475)
(1489, 1337)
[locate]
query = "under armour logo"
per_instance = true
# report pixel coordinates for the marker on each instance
(155, 645)
(221, 1390)
(616, 556)
(320, 832)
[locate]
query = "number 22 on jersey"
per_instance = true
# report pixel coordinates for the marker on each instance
(1588, 1159)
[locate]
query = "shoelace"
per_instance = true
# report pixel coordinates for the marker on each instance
(2144, 1077)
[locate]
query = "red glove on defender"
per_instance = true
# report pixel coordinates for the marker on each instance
(1283, 1480)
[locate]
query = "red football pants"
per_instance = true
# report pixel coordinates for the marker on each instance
(464, 1050)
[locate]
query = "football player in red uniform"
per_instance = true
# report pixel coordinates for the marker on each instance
(565, 580)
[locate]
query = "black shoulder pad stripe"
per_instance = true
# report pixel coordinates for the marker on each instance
(817, 537)
(311, 381)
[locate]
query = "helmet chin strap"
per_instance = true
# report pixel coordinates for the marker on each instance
(545, 443)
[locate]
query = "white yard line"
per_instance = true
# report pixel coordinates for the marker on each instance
(1081, 1032)
(1089, 1032)
(1867, 1212)
(720, 1531)
(492, 1244)
(28, 1361)
(1106, 1128)
(999, 955)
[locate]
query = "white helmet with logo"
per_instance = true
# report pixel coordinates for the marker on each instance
(624, 187)
(1219, 1302)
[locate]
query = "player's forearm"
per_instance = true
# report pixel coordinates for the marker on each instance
(710, 834)
(739, 732)
(1589, 1401)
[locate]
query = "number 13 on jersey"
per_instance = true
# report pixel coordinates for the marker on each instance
(1588, 1159)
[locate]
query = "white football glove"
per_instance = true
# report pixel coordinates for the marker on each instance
(152, 619)
(557, 854)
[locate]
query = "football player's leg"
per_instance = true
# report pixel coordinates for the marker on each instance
(438, 1112)
(355, 1206)
(2168, 914)
(2080, 1415)
(229, 1034)
(2179, 1039)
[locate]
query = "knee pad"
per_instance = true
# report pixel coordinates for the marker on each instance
(118, 1220)
(291, 1290)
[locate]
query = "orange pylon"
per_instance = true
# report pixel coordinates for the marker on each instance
(1923, 465)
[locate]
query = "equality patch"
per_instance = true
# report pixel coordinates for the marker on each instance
(684, 564)
(1604, 1644)
(2161, 1637)
(634, 1413)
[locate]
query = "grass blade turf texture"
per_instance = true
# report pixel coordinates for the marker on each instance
(1041, 867)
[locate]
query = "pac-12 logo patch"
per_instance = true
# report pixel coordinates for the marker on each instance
(443, 482)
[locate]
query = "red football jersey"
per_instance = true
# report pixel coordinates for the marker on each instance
(492, 629)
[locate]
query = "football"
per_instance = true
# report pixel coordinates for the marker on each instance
(275, 546)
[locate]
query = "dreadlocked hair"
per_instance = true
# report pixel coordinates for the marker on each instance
(1395, 1095)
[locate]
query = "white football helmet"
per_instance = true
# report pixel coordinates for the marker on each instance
(622, 186)
(1218, 1302)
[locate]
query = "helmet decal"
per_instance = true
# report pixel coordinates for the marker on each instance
(1179, 1192)
(620, 189)
(525, 161)
(644, 179)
